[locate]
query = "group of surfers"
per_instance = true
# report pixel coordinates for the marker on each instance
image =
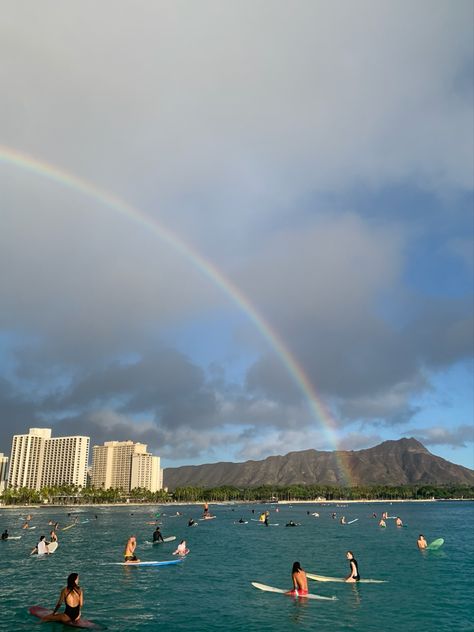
(300, 581)
(131, 544)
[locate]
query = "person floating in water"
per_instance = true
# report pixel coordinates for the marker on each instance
(42, 547)
(129, 552)
(5, 535)
(333, 515)
(385, 515)
(242, 521)
(300, 581)
(354, 568)
(157, 537)
(343, 520)
(181, 550)
(191, 522)
(52, 536)
(399, 522)
(291, 524)
(421, 542)
(25, 526)
(382, 523)
(73, 598)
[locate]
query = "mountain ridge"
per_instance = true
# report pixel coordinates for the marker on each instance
(405, 461)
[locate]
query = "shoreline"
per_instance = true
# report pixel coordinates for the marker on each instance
(239, 503)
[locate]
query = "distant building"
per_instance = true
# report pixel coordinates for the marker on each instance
(3, 472)
(38, 460)
(125, 465)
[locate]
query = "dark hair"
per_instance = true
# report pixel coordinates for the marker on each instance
(71, 581)
(421, 535)
(41, 538)
(296, 567)
(351, 553)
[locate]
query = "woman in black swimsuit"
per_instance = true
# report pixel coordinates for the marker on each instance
(73, 598)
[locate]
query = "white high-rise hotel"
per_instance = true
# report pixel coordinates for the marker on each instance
(38, 460)
(3, 471)
(125, 465)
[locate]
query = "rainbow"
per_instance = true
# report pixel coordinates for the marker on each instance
(64, 178)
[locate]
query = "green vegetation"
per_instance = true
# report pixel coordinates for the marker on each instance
(69, 494)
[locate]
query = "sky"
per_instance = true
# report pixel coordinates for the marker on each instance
(237, 229)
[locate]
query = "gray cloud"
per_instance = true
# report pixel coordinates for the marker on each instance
(457, 437)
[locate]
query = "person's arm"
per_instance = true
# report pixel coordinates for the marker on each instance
(60, 600)
(81, 597)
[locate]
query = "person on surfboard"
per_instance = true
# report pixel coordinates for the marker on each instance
(421, 542)
(300, 581)
(42, 547)
(73, 598)
(157, 537)
(129, 552)
(399, 522)
(354, 568)
(5, 535)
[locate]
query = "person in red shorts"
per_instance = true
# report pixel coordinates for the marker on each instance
(300, 582)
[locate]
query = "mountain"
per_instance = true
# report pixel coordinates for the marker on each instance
(402, 462)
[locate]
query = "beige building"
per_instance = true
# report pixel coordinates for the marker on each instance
(37, 460)
(146, 472)
(122, 464)
(3, 472)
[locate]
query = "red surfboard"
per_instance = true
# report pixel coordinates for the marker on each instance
(39, 611)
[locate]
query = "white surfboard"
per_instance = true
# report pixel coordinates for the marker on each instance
(52, 546)
(14, 537)
(266, 588)
(323, 578)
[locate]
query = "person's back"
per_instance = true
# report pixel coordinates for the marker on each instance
(42, 547)
(300, 581)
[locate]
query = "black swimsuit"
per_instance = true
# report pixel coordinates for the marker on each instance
(71, 611)
(356, 576)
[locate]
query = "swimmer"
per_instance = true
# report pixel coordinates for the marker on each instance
(333, 515)
(343, 520)
(421, 542)
(291, 524)
(191, 522)
(25, 526)
(5, 535)
(385, 515)
(157, 537)
(300, 582)
(241, 520)
(354, 568)
(73, 598)
(129, 552)
(382, 523)
(399, 522)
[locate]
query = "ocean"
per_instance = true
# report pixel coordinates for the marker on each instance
(211, 589)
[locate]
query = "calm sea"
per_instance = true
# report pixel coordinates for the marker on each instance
(211, 590)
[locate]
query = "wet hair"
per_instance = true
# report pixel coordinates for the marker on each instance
(421, 535)
(41, 538)
(71, 582)
(296, 567)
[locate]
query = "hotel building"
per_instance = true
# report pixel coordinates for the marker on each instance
(125, 465)
(3, 472)
(38, 460)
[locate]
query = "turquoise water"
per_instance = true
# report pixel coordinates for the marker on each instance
(211, 590)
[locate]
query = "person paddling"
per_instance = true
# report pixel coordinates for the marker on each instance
(73, 598)
(300, 581)
(5, 535)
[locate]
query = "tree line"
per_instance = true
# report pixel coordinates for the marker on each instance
(71, 494)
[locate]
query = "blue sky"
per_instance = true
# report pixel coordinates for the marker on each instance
(320, 156)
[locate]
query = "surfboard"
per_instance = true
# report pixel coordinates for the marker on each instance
(170, 538)
(39, 611)
(84, 521)
(351, 521)
(152, 563)
(323, 578)
(29, 528)
(13, 537)
(52, 546)
(210, 518)
(68, 527)
(435, 544)
(266, 588)
(238, 522)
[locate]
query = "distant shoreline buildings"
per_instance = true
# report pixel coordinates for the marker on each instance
(38, 460)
